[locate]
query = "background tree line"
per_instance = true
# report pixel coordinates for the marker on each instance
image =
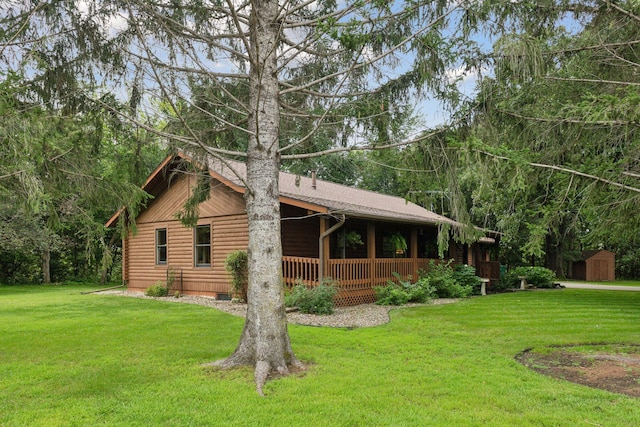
(63, 173)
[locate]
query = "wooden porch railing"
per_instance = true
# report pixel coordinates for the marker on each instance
(359, 273)
(488, 270)
(300, 269)
(356, 277)
(351, 272)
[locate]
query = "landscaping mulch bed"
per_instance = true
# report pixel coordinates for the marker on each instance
(612, 367)
(359, 316)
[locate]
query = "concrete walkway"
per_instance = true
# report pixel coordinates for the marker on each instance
(575, 285)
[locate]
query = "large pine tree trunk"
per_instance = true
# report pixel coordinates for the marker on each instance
(265, 341)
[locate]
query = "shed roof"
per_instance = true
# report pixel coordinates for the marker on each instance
(589, 254)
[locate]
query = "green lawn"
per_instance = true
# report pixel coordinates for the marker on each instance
(72, 359)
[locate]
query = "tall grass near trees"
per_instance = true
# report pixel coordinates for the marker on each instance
(71, 359)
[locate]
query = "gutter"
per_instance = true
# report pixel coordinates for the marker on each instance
(321, 254)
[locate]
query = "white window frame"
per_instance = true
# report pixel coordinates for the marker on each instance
(199, 246)
(159, 261)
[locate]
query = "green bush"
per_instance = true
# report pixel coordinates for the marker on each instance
(441, 277)
(403, 291)
(505, 283)
(292, 295)
(391, 295)
(421, 291)
(237, 264)
(441, 280)
(159, 289)
(313, 300)
(465, 275)
(539, 277)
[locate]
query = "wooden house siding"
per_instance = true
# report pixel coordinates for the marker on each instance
(300, 235)
(164, 206)
(224, 211)
(228, 233)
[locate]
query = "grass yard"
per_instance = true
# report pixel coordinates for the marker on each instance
(72, 359)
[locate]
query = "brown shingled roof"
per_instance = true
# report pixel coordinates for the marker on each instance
(325, 197)
(337, 198)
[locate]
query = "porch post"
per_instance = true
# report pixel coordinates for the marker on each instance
(413, 245)
(371, 251)
(413, 248)
(324, 247)
(371, 240)
(125, 259)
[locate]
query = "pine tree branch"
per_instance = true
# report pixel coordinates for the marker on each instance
(622, 59)
(336, 16)
(9, 175)
(558, 52)
(565, 170)
(320, 121)
(367, 147)
(243, 35)
(354, 66)
(623, 11)
(612, 82)
(569, 120)
(169, 136)
(183, 69)
(169, 99)
(24, 25)
(189, 33)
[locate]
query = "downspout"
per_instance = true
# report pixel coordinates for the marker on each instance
(321, 246)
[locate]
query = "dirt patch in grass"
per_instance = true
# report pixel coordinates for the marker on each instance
(612, 367)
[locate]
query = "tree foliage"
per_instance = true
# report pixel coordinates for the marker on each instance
(547, 151)
(60, 180)
(557, 132)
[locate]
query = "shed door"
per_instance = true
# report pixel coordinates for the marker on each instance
(600, 269)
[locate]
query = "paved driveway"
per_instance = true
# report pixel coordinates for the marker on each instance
(575, 285)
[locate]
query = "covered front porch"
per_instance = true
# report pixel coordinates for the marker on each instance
(357, 277)
(360, 253)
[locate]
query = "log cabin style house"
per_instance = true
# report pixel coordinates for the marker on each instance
(328, 230)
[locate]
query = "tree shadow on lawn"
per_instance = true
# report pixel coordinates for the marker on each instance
(613, 367)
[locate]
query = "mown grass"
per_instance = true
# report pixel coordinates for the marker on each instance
(72, 359)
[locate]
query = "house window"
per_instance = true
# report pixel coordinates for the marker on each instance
(202, 248)
(161, 246)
